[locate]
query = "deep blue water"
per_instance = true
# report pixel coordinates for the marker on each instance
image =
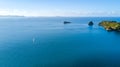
(47, 42)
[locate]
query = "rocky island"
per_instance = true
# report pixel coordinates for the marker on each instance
(110, 25)
(90, 23)
(67, 22)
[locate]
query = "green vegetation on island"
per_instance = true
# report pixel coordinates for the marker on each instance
(110, 25)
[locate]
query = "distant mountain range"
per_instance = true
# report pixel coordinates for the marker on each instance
(10, 16)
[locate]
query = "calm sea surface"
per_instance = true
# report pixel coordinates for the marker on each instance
(47, 42)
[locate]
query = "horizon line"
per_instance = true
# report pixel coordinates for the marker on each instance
(51, 16)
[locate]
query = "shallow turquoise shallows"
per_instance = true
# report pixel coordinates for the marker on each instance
(48, 42)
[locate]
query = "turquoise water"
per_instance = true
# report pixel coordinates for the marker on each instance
(47, 42)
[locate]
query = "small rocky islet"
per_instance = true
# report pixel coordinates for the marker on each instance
(67, 22)
(91, 23)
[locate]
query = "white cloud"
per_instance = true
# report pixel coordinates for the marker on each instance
(57, 13)
(12, 12)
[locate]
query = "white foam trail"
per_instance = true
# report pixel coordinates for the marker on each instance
(33, 40)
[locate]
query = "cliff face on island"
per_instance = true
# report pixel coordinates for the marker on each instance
(110, 25)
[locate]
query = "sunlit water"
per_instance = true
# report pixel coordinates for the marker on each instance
(47, 42)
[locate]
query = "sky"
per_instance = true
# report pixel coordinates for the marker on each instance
(60, 7)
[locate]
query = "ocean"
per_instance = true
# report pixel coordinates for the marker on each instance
(48, 42)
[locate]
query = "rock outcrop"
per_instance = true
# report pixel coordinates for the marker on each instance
(66, 22)
(90, 23)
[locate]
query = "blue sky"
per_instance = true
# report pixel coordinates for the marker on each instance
(60, 7)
